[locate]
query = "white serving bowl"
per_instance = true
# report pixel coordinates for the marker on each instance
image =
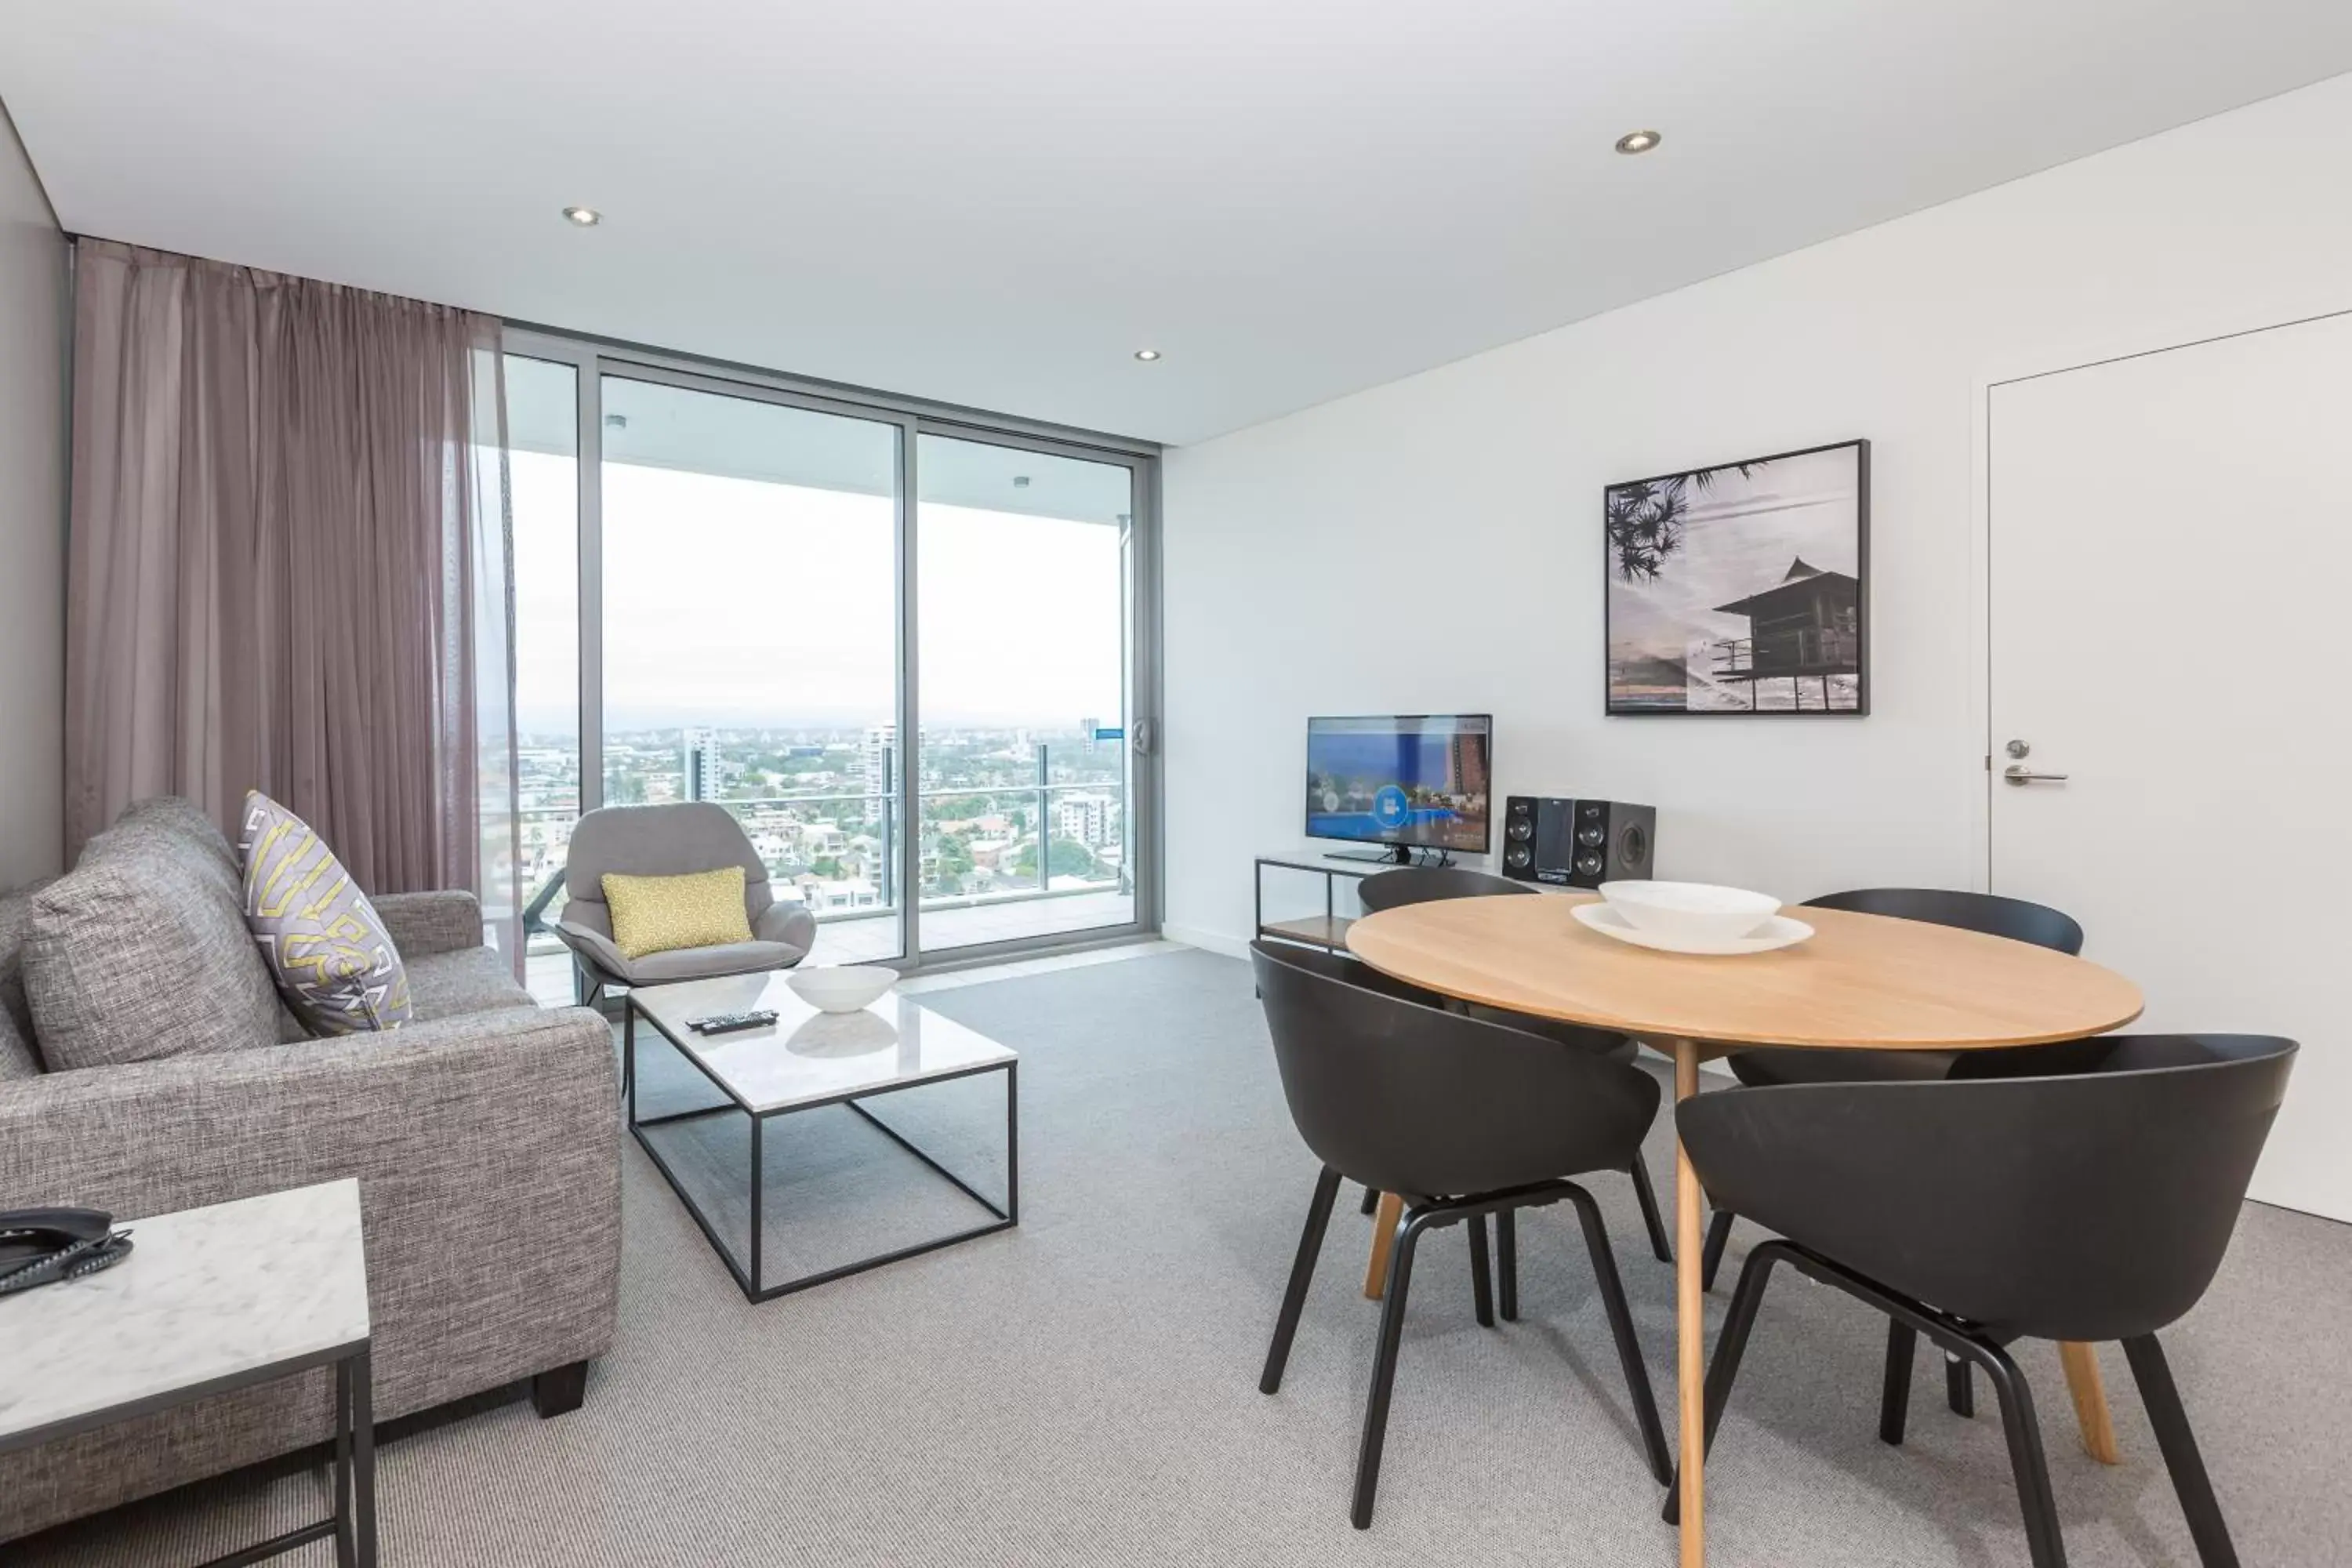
(1698, 910)
(844, 987)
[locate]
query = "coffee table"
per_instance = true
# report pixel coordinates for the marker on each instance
(806, 1060)
(210, 1299)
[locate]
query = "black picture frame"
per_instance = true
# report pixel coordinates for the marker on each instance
(1631, 541)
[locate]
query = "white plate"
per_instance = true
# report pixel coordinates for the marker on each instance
(1778, 932)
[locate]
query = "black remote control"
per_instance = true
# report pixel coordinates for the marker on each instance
(727, 1023)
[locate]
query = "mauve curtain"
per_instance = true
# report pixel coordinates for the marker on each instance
(288, 565)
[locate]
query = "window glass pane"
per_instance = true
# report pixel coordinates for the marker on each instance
(751, 637)
(1022, 597)
(543, 487)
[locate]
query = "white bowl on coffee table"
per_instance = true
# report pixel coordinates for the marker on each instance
(1690, 911)
(841, 987)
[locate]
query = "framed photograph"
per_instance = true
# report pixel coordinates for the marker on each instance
(1743, 588)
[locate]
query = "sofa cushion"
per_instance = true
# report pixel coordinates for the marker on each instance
(327, 948)
(179, 828)
(19, 1057)
(183, 822)
(141, 952)
(471, 979)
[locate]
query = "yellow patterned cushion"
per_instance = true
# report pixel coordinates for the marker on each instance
(656, 914)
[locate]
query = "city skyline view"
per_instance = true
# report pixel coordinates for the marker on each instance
(1002, 816)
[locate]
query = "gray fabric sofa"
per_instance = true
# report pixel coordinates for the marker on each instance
(668, 841)
(483, 1135)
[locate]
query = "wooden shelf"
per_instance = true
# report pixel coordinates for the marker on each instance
(1322, 931)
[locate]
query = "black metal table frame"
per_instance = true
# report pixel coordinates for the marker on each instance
(352, 1523)
(748, 1279)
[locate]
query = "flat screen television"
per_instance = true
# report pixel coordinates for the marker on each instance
(1408, 781)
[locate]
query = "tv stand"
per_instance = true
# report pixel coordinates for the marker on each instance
(1327, 931)
(1394, 855)
(1387, 855)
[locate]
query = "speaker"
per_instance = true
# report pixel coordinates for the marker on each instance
(1577, 843)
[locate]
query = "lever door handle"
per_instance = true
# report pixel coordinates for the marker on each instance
(2017, 773)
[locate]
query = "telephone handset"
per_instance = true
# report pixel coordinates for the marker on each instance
(39, 1246)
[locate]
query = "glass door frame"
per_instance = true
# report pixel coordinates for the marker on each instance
(594, 359)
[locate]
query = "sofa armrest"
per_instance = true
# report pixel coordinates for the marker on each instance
(449, 921)
(486, 1149)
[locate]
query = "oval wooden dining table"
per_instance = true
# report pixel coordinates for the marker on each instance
(1860, 983)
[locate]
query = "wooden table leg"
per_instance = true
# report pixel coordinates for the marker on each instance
(1690, 1326)
(1385, 1220)
(2082, 1381)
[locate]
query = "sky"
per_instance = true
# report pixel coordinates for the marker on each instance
(736, 602)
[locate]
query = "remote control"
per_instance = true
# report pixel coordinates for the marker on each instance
(727, 1023)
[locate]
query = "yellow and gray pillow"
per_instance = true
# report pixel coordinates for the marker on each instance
(662, 915)
(327, 948)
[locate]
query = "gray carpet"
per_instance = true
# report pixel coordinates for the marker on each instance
(1084, 1390)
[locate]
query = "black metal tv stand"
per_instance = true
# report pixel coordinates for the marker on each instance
(1394, 855)
(1327, 931)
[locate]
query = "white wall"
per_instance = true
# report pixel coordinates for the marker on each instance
(1433, 545)
(33, 337)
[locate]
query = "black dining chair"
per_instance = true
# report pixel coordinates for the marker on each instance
(1425, 884)
(2091, 1200)
(1422, 884)
(1464, 1118)
(1994, 916)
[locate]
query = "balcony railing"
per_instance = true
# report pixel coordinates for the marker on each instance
(882, 808)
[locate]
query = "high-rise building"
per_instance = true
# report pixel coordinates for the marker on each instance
(699, 765)
(1085, 818)
(881, 744)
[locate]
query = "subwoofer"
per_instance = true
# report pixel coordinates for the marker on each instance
(1577, 843)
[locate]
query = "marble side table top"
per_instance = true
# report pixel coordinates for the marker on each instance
(209, 1297)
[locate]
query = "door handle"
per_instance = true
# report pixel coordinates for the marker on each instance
(2017, 773)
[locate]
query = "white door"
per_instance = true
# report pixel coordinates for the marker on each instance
(2171, 630)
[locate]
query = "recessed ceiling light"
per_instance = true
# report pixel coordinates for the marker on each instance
(1147, 355)
(1638, 140)
(586, 218)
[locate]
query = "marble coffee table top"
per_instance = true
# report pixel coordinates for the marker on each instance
(206, 1296)
(806, 1056)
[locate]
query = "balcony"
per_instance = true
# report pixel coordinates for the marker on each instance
(1012, 891)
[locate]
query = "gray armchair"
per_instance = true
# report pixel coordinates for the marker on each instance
(669, 841)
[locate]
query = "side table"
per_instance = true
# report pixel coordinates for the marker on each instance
(210, 1299)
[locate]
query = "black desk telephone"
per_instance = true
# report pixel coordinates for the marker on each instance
(40, 1246)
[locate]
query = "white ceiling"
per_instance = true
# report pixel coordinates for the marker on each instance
(994, 202)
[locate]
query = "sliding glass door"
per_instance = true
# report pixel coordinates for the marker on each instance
(751, 637)
(910, 656)
(1023, 581)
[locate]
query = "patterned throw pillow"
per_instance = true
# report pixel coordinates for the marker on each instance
(657, 914)
(327, 948)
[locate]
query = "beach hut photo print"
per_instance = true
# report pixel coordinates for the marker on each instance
(1741, 588)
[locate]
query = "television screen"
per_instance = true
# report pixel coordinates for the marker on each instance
(1418, 781)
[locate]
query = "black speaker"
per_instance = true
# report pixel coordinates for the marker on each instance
(1577, 843)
